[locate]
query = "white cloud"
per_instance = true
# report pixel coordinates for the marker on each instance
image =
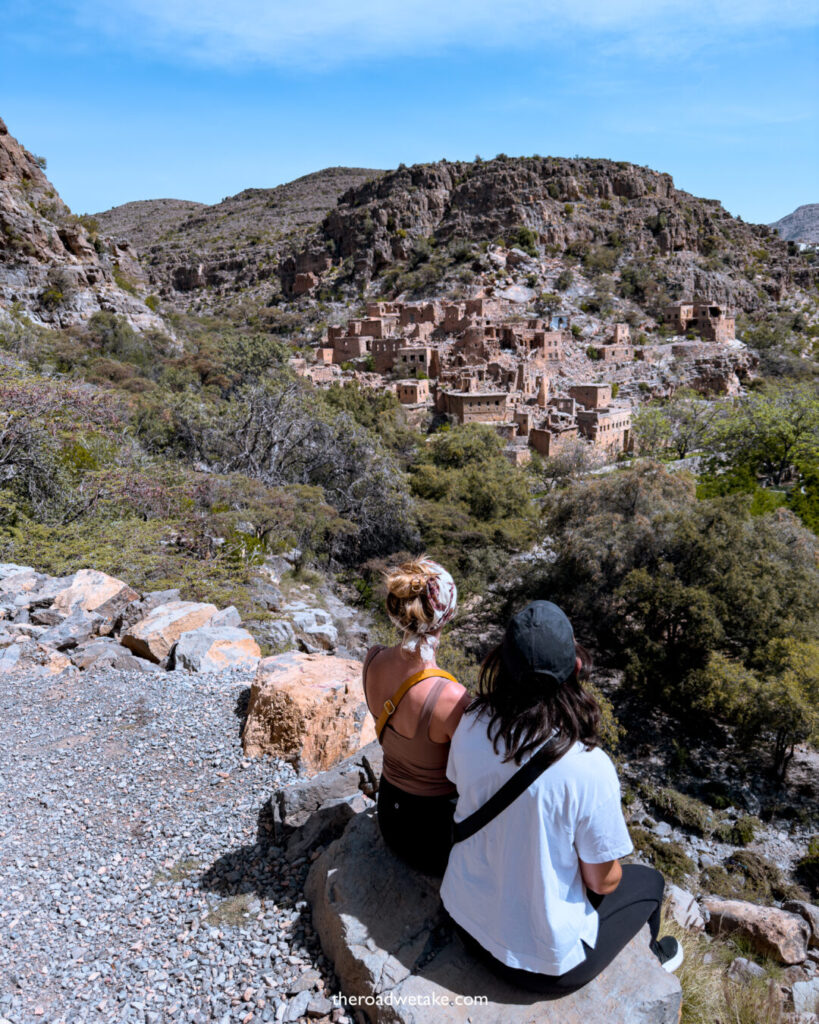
(331, 32)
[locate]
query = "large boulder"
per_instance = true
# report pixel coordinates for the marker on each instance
(805, 995)
(97, 592)
(11, 569)
(76, 628)
(315, 624)
(138, 610)
(213, 648)
(770, 931)
(28, 656)
(383, 928)
(106, 653)
(810, 912)
(154, 636)
(308, 709)
(295, 804)
(27, 590)
(683, 908)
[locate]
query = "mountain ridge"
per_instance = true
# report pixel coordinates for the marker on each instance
(802, 225)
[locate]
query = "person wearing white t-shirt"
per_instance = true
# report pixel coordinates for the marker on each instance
(538, 892)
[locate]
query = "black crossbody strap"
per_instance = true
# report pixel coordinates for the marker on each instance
(507, 794)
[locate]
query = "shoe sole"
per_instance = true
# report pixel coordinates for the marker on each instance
(675, 961)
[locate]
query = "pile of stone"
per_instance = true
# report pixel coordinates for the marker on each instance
(92, 620)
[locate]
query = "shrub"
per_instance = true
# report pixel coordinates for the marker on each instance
(524, 238)
(670, 858)
(748, 876)
(564, 280)
(679, 808)
(807, 868)
(737, 833)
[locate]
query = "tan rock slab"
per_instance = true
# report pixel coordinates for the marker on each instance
(383, 928)
(771, 932)
(96, 592)
(308, 709)
(154, 636)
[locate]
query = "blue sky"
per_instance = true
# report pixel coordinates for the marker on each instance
(198, 99)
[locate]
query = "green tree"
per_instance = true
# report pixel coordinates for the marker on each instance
(773, 431)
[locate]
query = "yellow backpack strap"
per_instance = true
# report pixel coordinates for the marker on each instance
(391, 704)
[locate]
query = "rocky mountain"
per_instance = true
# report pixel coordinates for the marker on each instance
(193, 252)
(54, 268)
(800, 226)
(598, 213)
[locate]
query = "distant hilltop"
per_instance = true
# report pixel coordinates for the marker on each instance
(800, 226)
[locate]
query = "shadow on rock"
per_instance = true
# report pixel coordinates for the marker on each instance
(240, 708)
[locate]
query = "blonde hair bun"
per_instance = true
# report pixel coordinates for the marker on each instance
(406, 593)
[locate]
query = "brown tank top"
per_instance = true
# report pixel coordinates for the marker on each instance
(415, 764)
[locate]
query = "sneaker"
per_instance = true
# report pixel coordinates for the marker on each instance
(669, 952)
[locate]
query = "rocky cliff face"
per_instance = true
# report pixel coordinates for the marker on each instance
(569, 206)
(53, 269)
(800, 226)
(196, 255)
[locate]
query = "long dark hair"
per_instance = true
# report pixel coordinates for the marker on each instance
(528, 711)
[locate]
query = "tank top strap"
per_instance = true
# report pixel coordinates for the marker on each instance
(375, 649)
(431, 699)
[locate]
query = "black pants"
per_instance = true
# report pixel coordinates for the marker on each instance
(416, 828)
(635, 901)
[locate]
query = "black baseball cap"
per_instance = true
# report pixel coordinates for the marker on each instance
(540, 640)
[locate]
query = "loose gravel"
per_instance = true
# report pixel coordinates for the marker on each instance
(141, 880)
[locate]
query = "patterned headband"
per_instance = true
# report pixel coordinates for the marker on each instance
(442, 595)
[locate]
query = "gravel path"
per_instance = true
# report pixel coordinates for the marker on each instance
(140, 879)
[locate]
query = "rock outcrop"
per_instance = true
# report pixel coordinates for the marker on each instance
(808, 911)
(566, 204)
(772, 932)
(800, 226)
(97, 592)
(308, 709)
(91, 620)
(214, 648)
(296, 803)
(383, 928)
(51, 267)
(154, 636)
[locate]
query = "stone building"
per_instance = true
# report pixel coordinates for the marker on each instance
(412, 392)
(592, 396)
(608, 429)
(552, 439)
(474, 406)
(353, 346)
(385, 352)
(704, 318)
(417, 359)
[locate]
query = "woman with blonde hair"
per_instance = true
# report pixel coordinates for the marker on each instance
(417, 706)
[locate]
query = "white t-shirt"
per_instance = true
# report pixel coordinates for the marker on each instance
(515, 885)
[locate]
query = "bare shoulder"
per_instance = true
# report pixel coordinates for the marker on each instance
(450, 706)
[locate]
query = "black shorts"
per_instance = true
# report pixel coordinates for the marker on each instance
(418, 829)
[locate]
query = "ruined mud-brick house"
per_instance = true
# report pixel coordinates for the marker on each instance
(707, 319)
(412, 392)
(473, 406)
(619, 348)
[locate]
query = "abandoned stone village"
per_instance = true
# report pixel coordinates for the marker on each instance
(532, 380)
